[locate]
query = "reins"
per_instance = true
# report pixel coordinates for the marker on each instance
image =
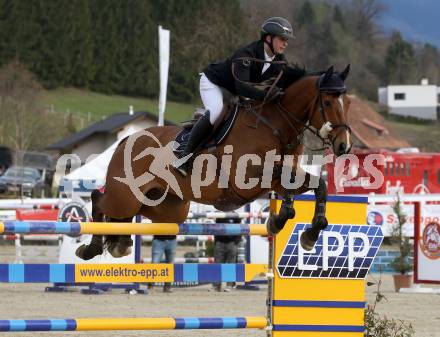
(323, 133)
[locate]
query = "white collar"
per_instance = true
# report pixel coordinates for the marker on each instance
(267, 57)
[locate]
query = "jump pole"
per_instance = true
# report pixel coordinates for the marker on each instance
(108, 228)
(90, 324)
(317, 293)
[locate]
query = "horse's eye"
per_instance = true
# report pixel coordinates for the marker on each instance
(327, 104)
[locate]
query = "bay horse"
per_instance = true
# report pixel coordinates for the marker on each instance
(141, 180)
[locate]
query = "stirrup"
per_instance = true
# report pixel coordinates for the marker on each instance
(184, 168)
(183, 172)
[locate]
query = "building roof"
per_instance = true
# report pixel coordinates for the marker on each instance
(370, 128)
(107, 125)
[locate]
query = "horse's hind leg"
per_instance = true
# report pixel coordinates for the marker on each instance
(119, 245)
(95, 247)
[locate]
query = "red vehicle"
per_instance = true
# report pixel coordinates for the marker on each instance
(407, 172)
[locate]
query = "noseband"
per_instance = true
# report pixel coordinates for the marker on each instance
(324, 132)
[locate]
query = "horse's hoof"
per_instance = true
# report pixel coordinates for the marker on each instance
(80, 251)
(287, 212)
(118, 251)
(121, 248)
(307, 243)
(88, 252)
(273, 225)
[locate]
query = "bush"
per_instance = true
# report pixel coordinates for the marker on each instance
(377, 326)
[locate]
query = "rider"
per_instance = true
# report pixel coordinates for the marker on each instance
(275, 33)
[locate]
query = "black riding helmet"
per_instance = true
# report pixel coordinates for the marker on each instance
(276, 26)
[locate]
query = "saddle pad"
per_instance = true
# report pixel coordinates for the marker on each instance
(216, 139)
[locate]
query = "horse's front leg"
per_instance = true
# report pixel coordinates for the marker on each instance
(276, 222)
(319, 221)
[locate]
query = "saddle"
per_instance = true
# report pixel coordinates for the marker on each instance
(222, 127)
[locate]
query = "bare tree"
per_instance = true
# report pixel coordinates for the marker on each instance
(24, 124)
(363, 14)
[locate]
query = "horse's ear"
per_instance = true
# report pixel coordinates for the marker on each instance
(328, 73)
(344, 74)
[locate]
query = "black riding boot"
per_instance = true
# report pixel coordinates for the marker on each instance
(200, 131)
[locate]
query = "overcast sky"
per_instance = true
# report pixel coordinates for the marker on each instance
(417, 20)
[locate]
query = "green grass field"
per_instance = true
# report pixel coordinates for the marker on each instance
(424, 136)
(84, 103)
(89, 107)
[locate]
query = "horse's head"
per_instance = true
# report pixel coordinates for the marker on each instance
(329, 115)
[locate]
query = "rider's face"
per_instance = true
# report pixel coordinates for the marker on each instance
(279, 44)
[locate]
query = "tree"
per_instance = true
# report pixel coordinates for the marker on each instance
(81, 49)
(338, 17)
(306, 15)
(25, 124)
(400, 61)
(401, 264)
(362, 14)
(428, 63)
(107, 44)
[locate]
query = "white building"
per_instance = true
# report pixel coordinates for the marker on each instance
(419, 101)
(97, 137)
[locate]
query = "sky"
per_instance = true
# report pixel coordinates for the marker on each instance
(417, 20)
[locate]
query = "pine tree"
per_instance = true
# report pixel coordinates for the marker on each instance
(140, 76)
(82, 45)
(400, 60)
(106, 47)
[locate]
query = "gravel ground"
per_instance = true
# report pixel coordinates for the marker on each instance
(20, 301)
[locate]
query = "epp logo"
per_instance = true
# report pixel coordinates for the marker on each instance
(342, 251)
(375, 218)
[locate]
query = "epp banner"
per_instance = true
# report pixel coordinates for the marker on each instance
(342, 251)
(123, 273)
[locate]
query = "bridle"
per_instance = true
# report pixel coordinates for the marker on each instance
(323, 133)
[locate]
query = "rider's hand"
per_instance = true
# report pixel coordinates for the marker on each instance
(275, 94)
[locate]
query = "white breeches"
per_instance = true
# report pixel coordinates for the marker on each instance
(212, 98)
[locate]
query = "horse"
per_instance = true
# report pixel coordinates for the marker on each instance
(141, 178)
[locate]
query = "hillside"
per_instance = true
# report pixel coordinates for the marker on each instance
(88, 106)
(424, 136)
(82, 102)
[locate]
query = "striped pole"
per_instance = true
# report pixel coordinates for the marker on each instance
(109, 228)
(130, 273)
(222, 215)
(88, 324)
(185, 260)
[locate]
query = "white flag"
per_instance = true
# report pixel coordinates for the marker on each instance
(164, 61)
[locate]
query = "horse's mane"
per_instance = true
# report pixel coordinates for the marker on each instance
(292, 74)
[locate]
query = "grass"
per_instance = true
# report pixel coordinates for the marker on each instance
(424, 136)
(89, 107)
(95, 106)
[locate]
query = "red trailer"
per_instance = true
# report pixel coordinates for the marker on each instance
(408, 172)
